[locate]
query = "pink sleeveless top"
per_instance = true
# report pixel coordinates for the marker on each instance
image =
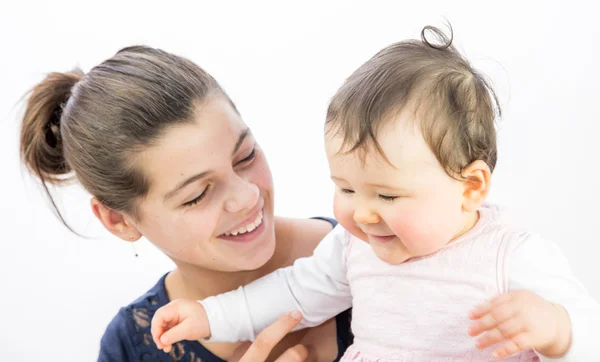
(418, 311)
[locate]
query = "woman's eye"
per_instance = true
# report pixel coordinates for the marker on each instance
(248, 158)
(388, 198)
(347, 191)
(197, 199)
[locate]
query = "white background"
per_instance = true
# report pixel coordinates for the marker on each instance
(281, 62)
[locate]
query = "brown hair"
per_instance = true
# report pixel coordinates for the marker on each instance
(455, 105)
(89, 126)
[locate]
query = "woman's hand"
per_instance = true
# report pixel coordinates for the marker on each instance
(267, 339)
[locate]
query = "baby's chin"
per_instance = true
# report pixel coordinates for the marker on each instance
(392, 257)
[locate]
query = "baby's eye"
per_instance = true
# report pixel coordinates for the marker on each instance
(347, 191)
(388, 198)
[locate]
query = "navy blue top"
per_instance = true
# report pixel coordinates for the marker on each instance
(128, 338)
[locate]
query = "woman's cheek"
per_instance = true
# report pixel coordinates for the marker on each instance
(260, 173)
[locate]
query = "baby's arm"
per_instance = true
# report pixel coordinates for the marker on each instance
(546, 308)
(316, 286)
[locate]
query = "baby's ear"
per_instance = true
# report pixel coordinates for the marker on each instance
(476, 181)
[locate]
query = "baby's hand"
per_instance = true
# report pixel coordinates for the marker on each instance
(523, 320)
(180, 319)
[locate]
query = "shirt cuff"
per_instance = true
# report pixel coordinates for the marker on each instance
(228, 320)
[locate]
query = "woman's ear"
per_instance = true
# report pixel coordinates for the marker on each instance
(476, 182)
(115, 221)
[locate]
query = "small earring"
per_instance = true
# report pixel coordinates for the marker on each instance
(133, 246)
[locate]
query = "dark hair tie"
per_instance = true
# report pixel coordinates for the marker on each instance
(53, 128)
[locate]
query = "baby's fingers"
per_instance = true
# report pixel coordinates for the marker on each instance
(504, 331)
(167, 348)
(486, 307)
(517, 344)
(180, 332)
(163, 317)
(495, 317)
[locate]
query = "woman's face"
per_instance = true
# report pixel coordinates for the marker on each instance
(210, 201)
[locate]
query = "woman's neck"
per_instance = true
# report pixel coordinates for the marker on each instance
(194, 282)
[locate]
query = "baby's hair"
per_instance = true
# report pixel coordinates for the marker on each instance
(455, 106)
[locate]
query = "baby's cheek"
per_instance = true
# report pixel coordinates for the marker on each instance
(344, 214)
(416, 230)
(341, 212)
(404, 226)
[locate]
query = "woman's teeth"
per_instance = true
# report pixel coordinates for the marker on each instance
(248, 228)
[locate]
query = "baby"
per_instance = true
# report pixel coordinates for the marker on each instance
(423, 261)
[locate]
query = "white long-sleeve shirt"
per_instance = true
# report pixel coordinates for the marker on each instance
(417, 310)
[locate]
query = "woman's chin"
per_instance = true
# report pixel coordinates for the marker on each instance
(257, 259)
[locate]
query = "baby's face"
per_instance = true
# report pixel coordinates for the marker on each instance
(406, 208)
